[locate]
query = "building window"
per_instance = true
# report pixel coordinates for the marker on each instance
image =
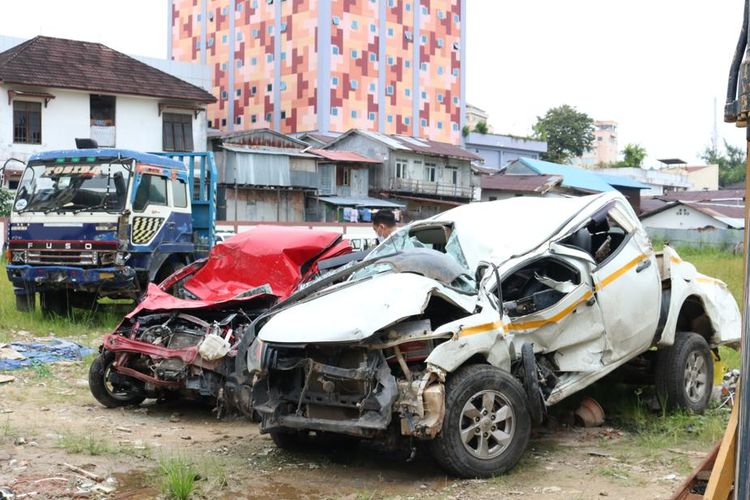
(355, 24)
(389, 90)
(430, 170)
(334, 111)
(407, 6)
(371, 116)
(354, 113)
(238, 120)
(102, 110)
(282, 27)
(409, 35)
(401, 169)
(390, 60)
(454, 126)
(269, 58)
(256, 33)
(407, 63)
(268, 117)
(452, 175)
(455, 100)
(254, 61)
(455, 71)
(390, 32)
(269, 87)
(355, 54)
(223, 122)
(373, 28)
(335, 81)
(440, 125)
(239, 63)
(440, 14)
(223, 66)
(283, 115)
(424, 39)
(336, 20)
(440, 98)
(223, 39)
(373, 57)
(253, 118)
(440, 43)
(224, 95)
(343, 176)
(425, 10)
(283, 56)
(282, 86)
(253, 90)
(354, 84)
(335, 50)
(424, 95)
(177, 132)
(407, 92)
(424, 122)
(27, 122)
(423, 66)
(372, 88)
(456, 19)
(238, 92)
(407, 120)
(390, 118)
(239, 36)
(440, 70)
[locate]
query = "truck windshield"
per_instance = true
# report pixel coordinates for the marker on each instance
(62, 187)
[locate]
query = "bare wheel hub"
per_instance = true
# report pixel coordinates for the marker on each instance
(696, 377)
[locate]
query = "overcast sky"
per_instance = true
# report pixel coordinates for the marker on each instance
(654, 66)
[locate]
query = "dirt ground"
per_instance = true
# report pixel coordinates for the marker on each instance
(49, 419)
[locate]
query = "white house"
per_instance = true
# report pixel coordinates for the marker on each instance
(53, 91)
(686, 215)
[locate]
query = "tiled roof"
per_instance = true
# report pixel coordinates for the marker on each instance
(520, 183)
(70, 64)
(343, 156)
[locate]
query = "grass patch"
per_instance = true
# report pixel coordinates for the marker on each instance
(41, 370)
(85, 445)
(81, 323)
(178, 477)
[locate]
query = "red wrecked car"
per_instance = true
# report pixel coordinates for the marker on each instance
(182, 337)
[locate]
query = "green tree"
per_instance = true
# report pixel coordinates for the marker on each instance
(481, 127)
(568, 133)
(6, 198)
(633, 156)
(731, 163)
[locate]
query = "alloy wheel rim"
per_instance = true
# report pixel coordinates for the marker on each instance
(486, 425)
(696, 377)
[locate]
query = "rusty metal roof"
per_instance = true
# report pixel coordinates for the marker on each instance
(520, 183)
(343, 156)
(71, 64)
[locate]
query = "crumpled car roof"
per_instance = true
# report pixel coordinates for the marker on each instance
(497, 230)
(280, 257)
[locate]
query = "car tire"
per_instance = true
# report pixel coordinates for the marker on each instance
(488, 406)
(103, 391)
(685, 373)
(166, 270)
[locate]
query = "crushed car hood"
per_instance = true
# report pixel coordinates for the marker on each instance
(353, 312)
(265, 260)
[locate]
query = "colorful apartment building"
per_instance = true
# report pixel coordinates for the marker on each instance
(392, 66)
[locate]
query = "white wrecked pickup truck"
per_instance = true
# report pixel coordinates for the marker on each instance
(420, 342)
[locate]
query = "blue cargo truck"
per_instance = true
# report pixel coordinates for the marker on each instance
(93, 223)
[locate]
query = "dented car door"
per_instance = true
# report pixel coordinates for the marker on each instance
(550, 302)
(628, 287)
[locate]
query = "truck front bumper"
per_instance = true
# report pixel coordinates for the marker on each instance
(30, 279)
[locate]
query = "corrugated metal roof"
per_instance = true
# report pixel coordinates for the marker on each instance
(520, 183)
(622, 181)
(267, 151)
(415, 144)
(573, 177)
(364, 202)
(343, 156)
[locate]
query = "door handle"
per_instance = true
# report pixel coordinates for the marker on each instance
(643, 265)
(171, 225)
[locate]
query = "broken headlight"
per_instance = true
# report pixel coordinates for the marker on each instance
(107, 258)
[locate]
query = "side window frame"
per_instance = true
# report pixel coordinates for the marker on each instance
(148, 201)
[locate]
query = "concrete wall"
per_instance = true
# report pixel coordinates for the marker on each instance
(371, 149)
(67, 116)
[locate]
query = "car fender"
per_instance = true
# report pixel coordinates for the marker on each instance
(483, 334)
(717, 300)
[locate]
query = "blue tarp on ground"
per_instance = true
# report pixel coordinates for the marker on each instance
(47, 351)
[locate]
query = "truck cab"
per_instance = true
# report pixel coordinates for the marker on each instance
(93, 223)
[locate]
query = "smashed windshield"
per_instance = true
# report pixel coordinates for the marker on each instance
(76, 187)
(430, 251)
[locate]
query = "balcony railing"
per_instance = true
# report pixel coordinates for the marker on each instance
(430, 188)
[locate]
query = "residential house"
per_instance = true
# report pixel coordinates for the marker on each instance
(695, 215)
(264, 176)
(54, 90)
(501, 186)
(604, 149)
(580, 181)
(317, 139)
(344, 183)
(498, 150)
(659, 181)
(700, 177)
(427, 176)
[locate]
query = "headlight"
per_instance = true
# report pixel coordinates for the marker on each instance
(18, 256)
(106, 258)
(121, 258)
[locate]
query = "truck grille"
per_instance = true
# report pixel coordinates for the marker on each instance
(63, 257)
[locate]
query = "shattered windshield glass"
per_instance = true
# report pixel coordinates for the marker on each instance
(62, 187)
(408, 255)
